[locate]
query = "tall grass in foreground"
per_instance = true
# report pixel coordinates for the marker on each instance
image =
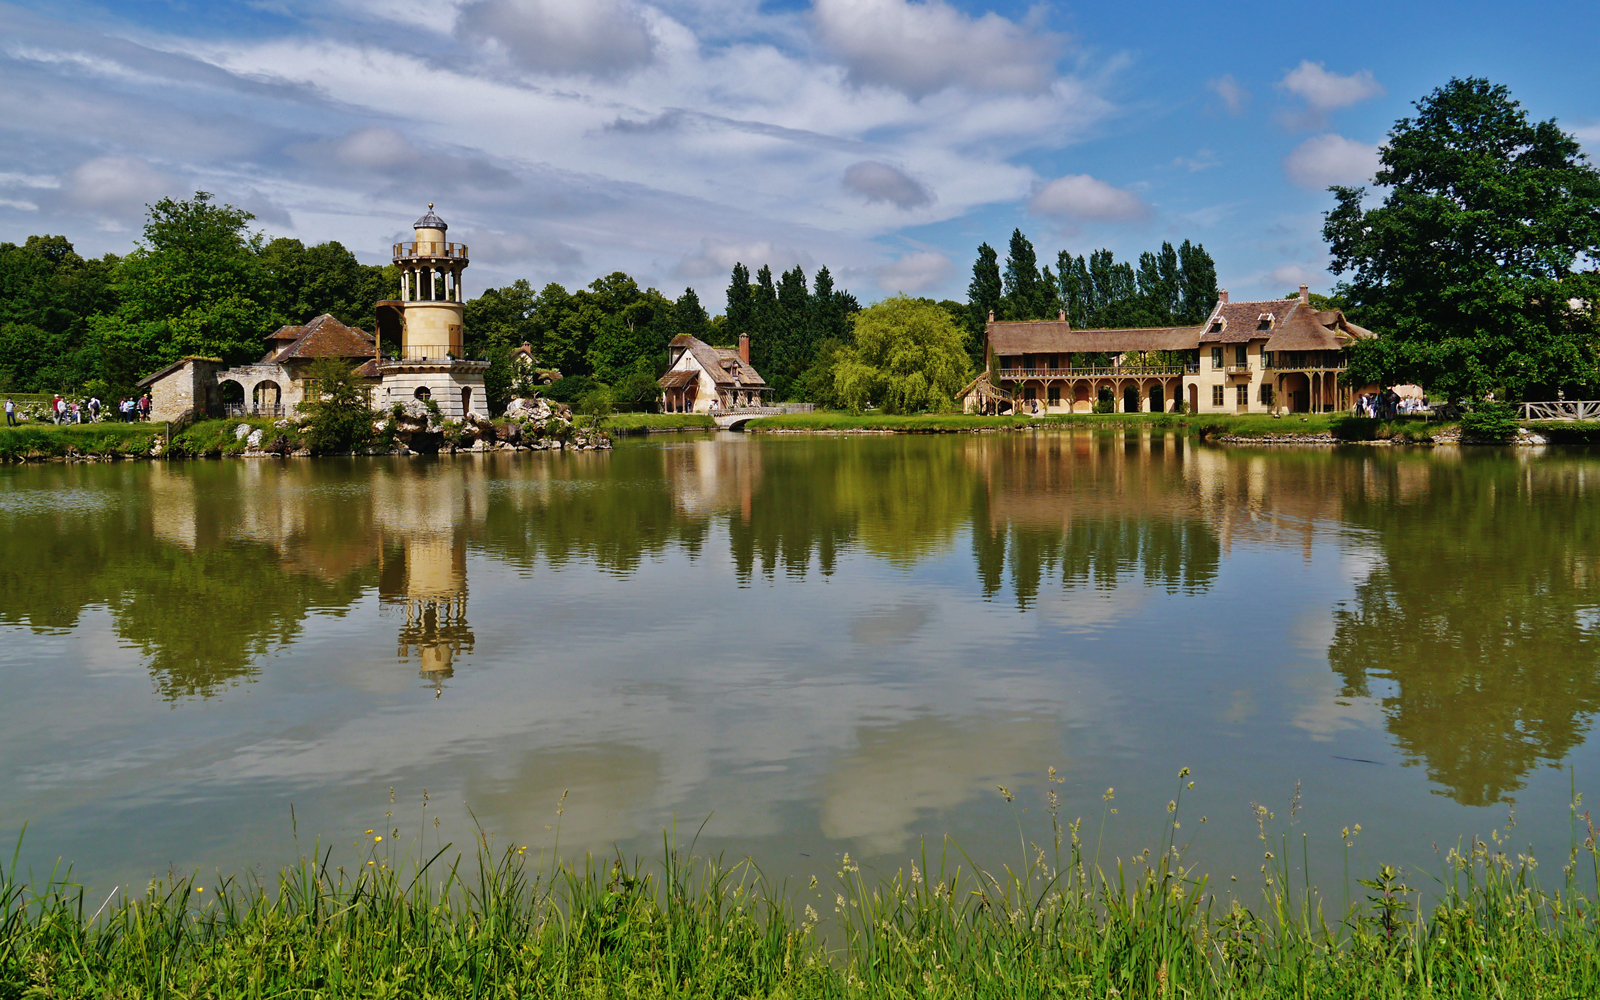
(1058, 925)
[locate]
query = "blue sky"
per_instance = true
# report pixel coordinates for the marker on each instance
(564, 139)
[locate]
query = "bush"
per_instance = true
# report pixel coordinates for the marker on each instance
(341, 415)
(596, 404)
(636, 389)
(1105, 406)
(1492, 421)
(570, 389)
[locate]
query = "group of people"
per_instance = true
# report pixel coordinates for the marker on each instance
(62, 411)
(1388, 404)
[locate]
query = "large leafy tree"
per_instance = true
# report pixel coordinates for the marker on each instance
(908, 355)
(325, 278)
(195, 285)
(49, 296)
(1471, 268)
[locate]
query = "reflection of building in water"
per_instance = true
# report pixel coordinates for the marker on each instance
(425, 580)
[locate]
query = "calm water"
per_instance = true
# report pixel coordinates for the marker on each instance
(820, 644)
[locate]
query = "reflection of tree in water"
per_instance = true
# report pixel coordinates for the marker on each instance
(1479, 616)
(197, 601)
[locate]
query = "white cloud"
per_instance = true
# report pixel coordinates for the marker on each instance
(879, 182)
(715, 258)
(595, 37)
(1329, 159)
(921, 48)
(1292, 276)
(116, 186)
(1234, 97)
(915, 272)
(1324, 91)
(1080, 196)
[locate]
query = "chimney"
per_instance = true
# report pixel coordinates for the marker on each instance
(1305, 294)
(991, 315)
(1222, 297)
(744, 347)
(1061, 315)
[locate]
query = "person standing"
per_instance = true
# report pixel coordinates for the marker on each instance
(94, 409)
(144, 407)
(11, 413)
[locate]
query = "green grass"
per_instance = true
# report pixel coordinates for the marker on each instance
(644, 423)
(41, 441)
(1057, 923)
(211, 438)
(1567, 431)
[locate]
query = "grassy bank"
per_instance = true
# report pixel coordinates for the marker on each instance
(40, 441)
(1056, 925)
(1567, 431)
(1336, 425)
(644, 423)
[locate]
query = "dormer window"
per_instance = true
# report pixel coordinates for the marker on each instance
(1264, 321)
(1216, 326)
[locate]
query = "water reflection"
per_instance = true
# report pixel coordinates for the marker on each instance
(1480, 617)
(1471, 611)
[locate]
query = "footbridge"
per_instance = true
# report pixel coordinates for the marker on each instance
(736, 418)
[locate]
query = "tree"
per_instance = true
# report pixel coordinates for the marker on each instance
(1024, 294)
(326, 278)
(741, 311)
(1468, 265)
(1197, 283)
(340, 409)
(689, 316)
(907, 356)
(986, 289)
(631, 327)
(49, 298)
(194, 286)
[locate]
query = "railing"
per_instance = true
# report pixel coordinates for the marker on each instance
(1112, 370)
(1281, 364)
(424, 354)
(1238, 369)
(252, 410)
(781, 408)
(430, 248)
(1562, 409)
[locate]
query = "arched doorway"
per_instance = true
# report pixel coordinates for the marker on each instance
(1130, 399)
(1194, 398)
(466, 400)
(230, 395)
(1158, 399)
(266, 399)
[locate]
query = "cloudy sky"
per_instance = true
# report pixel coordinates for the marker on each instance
(564, 139)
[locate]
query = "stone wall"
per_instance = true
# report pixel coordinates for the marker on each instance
(189, 388)
(457, 387)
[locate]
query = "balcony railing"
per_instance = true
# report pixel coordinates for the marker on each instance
(1278, 363)
(430, 248)
(1238, 369)
(424, 354)
(1133, 371)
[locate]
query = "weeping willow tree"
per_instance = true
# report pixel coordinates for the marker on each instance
(908, 356)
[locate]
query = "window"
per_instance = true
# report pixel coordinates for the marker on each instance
(1055, 395)
(1266, 394)
(1242, 393)
(1216, 393)
(1266, 359)
(1216, 357)
(1240, 357)
(309, 389)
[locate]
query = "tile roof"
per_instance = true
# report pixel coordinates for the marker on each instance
(678, 378)
(723, 364)
(323, 337)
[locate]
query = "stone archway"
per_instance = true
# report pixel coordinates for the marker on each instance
(266, 399)
(230, 394)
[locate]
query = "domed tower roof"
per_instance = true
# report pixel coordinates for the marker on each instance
(430, 221)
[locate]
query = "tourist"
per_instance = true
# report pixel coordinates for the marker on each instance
(77, 415)
(11, 413)
(94, 409)
(144, 407)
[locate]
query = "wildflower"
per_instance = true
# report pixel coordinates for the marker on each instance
(1172, 805)
(369, 833)
(813, 884)
(1109, 795)
(811, 915)
(378, 839)
(199, 888)
(916, 875)
(1004, 791)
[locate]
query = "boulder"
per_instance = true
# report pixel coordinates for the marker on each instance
(241, 432)
(253, 442)
(508, 431)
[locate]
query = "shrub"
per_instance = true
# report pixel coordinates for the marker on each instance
(1492, 421)
(341, 416)
(636, 389)
(596, 404)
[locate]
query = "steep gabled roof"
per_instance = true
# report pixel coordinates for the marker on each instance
(1291, 326)
(723, 364)
(323, 337)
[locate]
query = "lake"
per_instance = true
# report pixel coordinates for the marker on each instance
(799, 646)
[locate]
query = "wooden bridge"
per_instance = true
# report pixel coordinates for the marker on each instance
(1562, 409)
(736, 418)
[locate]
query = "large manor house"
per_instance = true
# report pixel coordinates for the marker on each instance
(1273, 356)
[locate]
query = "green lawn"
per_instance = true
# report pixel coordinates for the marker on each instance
(643, 423)
(49, 441)
(1339, 425)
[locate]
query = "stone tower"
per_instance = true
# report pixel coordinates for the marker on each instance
(430, 362)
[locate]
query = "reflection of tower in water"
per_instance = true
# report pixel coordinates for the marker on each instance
(425, 580)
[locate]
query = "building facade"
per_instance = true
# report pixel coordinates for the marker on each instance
(705, 379)
(1272, 356)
